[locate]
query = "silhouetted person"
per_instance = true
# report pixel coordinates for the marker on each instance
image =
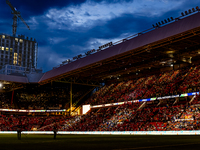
(19, 133)
(55, 131)
(19, 130)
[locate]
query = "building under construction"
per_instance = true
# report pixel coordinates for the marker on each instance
(17, 54)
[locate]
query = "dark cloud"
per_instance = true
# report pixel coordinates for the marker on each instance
(38, 7)
(113, 1)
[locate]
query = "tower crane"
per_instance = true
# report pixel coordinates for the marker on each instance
(16, 15)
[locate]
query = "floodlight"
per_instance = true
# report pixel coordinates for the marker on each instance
(189, 11)
(79, 56)
(193, 9)
(182, 14)
(186, 13)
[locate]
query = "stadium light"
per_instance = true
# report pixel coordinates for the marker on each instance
(157, 25)
(186, 13)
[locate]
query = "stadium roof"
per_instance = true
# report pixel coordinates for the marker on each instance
(174, 41)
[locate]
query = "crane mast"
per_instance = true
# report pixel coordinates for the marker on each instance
(16, 15)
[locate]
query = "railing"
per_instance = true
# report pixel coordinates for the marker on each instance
(105, 46)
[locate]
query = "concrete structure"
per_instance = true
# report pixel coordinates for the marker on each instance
(16, 69)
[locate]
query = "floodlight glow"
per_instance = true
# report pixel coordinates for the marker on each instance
(1, 85)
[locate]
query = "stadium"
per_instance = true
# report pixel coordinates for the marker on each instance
(141, 86)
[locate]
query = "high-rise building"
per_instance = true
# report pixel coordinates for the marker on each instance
(18, 51)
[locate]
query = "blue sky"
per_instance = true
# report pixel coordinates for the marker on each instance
(66, 28)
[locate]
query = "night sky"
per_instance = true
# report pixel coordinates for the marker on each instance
(67, 28)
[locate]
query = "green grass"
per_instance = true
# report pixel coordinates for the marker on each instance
(98, 142)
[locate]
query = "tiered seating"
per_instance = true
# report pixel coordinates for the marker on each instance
(11, 123)
(168, 83)
(164, 115)
(92, 120)
(120, 115)
(192, 80)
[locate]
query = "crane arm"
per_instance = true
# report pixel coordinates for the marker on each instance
(24, 22)
(11, 6)
(16, 14)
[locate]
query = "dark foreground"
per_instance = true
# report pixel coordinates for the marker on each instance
(98, 142)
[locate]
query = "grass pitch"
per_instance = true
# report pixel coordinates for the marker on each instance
(98, 142)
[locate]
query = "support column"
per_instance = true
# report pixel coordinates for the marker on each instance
(70, 98)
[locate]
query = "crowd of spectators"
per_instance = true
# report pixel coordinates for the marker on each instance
(29, 123)
(41, 97)
(168, 83)
(175, 114)
(141, 116)
(132, 117)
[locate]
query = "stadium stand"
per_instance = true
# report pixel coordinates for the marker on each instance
(162, 62)
(160, 116)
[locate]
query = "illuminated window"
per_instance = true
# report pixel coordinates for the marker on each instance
(7, 48)
(16, 39)
(20, 40)
(15, 59)
(14, 62)
(2, 48)
(11, 49)
(3, 36)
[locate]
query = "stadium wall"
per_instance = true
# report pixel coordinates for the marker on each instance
(188, 132)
